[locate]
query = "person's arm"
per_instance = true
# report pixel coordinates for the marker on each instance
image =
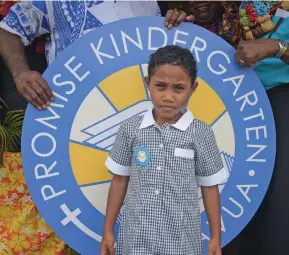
(14, 35)
(118, 163)
(248, 53)
(211, 200)
(12, 52)
(210, 172)
(115, 200)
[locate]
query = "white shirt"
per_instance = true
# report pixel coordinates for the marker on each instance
(66, 21)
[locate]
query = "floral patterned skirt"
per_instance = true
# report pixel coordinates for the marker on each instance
(22, 229)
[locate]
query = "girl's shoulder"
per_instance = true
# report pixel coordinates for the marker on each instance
(201, 129)
(131, 125)
(200, 125)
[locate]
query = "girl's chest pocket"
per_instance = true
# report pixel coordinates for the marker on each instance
(184, 162)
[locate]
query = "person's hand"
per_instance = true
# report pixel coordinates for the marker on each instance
(175, 17)
(214, 247)
(34, 89)
(250, 52)
(107, 244)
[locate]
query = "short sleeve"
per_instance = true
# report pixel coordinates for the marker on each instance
(28, 20)
(119, 160)
(209, 166)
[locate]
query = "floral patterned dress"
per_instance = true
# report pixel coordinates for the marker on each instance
(22, 229)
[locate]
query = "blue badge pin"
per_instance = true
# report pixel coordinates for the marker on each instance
(142, 156)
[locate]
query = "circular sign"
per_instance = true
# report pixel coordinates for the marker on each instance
(98, 82)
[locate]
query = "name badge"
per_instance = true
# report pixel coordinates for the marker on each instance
(184, 153)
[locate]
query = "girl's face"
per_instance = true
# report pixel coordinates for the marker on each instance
(170, 89)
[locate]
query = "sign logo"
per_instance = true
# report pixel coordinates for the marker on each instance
(101, 85)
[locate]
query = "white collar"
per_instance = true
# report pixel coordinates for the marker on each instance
(182, 124)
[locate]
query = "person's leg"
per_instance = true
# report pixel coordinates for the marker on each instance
(267, 233)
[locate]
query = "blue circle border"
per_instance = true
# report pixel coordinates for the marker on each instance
(73, 198)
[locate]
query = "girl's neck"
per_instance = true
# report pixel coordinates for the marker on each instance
(161, 121)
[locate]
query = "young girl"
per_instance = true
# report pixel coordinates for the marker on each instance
(158, 161)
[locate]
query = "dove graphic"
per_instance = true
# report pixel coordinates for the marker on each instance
(142, 156)
(103, 133)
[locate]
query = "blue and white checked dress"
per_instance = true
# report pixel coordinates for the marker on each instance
(161, 215)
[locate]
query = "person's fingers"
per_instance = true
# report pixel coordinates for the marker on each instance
(29, 100)
(253, 64)
(190, 18)
(239, 55)
(32, 98)
(41, 93)
(181, 18)
(245, 60)
(246, 55)
(42, 82)
(112, 251)
(169, 16)
(104, 250)
(242, 62)
(174, 19)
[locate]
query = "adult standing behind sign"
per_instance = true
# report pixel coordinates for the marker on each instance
(267, 234)
(219, 17)
(62, 22)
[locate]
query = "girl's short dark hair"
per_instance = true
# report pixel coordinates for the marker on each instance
(173, 55)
